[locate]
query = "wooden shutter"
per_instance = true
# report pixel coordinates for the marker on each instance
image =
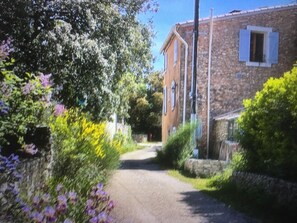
(273, 47)
(244, 45)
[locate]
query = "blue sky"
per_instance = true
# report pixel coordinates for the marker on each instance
(174, 11)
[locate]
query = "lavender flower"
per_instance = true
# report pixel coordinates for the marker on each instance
(72, 197)
(59, 187)
(45, 80)
(37, 217)
(49, 213)
(5, 49)
(27, 88)
(59, 110)
(3, 108)
(67, 220)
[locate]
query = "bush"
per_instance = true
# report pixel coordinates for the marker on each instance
(83, 153)
(178, 147)
(268, 128)
(24, 103)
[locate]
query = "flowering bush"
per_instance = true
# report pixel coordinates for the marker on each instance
(83, 153)
(23, 102)
(63, 206)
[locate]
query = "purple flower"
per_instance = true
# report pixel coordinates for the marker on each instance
(94, 220)
(67, 220)
(59, 110)
(72, 197)
(26, 209)
(46, 198)
(3, 108)
(27, 88)
(36, 201)
(49, 213)
(91, 212)
(110, 206)
(59, 187)
(90, 204)
(5, 49)
(62, 204)
(45, 80)
(102, 217)
(37, 217)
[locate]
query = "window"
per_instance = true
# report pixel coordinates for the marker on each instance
(232, 130)
(175, 51)
(258, 46)
(164, 100)
(173, 95)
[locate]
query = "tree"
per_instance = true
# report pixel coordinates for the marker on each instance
(87, 45)
(268, 128)
(146, 106)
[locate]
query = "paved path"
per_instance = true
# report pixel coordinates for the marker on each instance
(144, 193)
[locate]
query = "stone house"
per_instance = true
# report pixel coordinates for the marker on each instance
(237, 53)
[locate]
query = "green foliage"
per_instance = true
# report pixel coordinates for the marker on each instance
(268, 128)
(83, 153)
(146, 106)
(223, 180)
(24, 103)
(86, 45)
(178, 147)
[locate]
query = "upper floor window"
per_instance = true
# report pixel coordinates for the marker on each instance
(258, 46)
(175, 51)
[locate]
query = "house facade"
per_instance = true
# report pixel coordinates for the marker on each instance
(237, 53)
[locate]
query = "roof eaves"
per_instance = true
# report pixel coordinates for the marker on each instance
(168, 39)
(239, 14)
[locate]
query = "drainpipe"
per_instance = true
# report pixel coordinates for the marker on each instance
(186, 72)
(208, 81)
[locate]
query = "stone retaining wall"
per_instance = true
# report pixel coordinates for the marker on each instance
(285, 192)
(204, 168)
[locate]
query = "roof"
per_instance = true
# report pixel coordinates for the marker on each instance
(230, 15)
(230, 115)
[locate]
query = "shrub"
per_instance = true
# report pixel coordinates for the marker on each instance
(268, 128)
(82, 151)
(178, 147)
(24, 102)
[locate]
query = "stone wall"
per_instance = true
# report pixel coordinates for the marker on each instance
(204, 168)
(285, 192)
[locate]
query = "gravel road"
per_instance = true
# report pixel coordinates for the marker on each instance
(144, 193)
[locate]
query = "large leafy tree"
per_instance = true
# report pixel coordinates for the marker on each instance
(86, 44)
(145, 106)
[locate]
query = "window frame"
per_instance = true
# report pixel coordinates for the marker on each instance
(270, 46)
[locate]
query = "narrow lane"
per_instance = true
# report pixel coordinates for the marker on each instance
(145, 194)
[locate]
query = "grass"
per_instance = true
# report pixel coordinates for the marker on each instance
(253, 203)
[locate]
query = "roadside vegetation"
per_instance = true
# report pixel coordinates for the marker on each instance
(61, 68)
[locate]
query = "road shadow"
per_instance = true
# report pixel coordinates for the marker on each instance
(213, 210)
(144, 164)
